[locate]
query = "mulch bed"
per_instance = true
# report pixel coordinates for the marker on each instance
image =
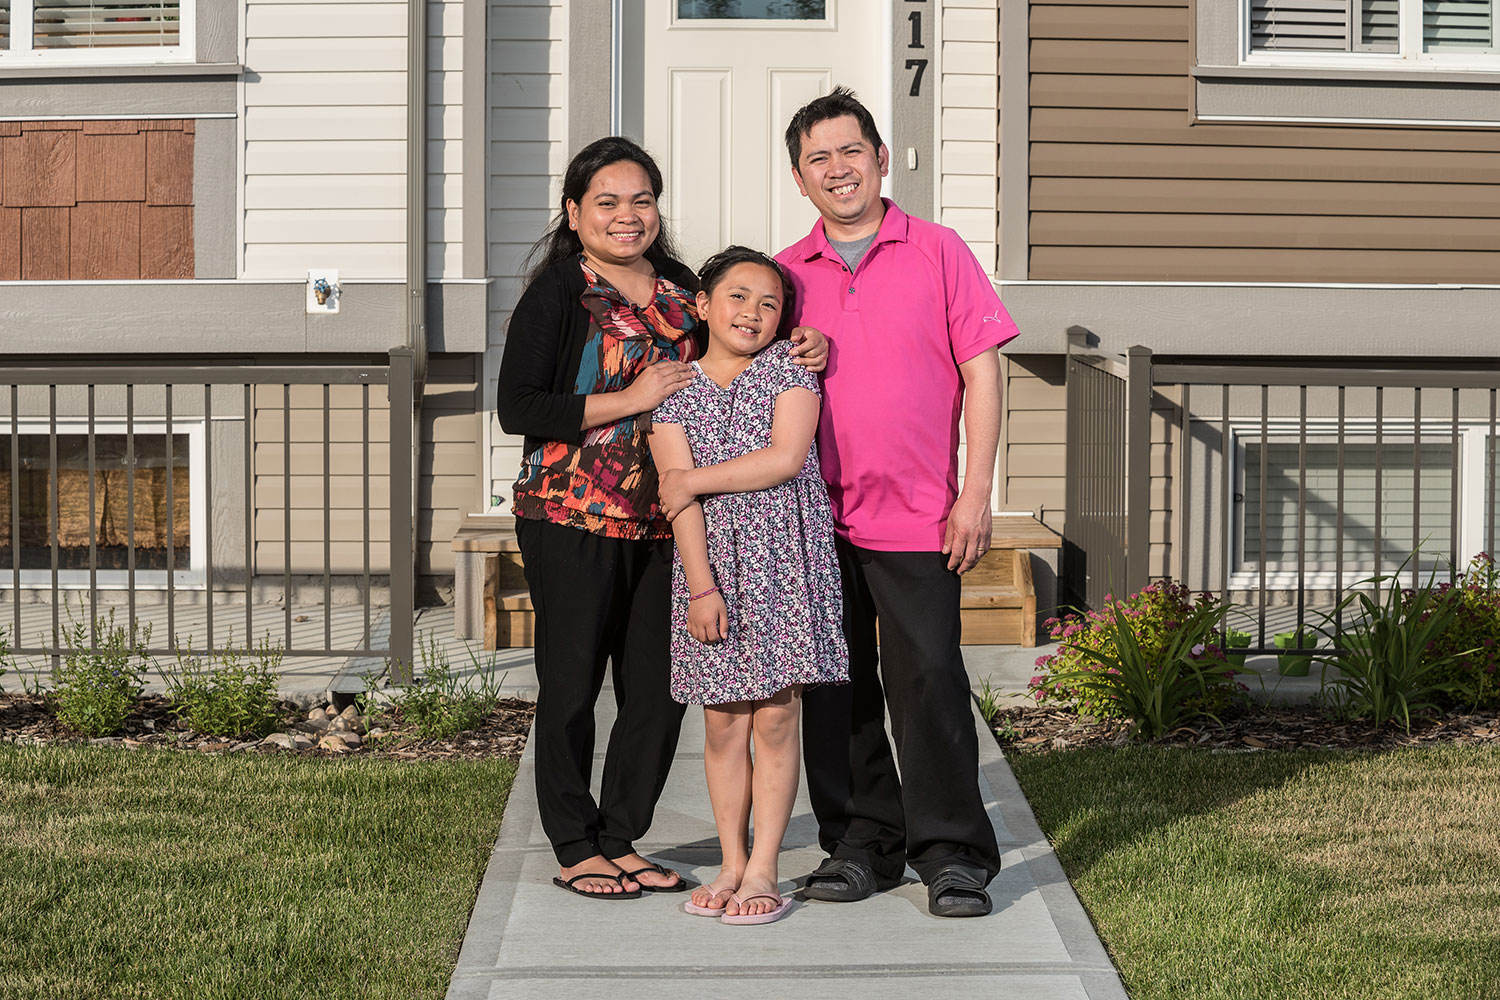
(1039, 729)
(29, 720)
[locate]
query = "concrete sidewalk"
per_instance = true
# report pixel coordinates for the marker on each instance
(527, 938)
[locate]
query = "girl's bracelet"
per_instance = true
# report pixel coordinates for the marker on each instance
(710, 590)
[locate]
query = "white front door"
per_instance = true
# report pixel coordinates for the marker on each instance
(722, 80)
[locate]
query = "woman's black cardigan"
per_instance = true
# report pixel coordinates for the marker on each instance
(536, 395)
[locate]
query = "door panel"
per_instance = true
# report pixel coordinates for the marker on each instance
(717, 100)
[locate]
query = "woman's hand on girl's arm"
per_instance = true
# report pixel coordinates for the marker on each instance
(809, 348)
(708, 619)
(644, 394)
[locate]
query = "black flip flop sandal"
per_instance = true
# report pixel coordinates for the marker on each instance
(681, 885)
(958, 891)
(840, 880)
(568, 885)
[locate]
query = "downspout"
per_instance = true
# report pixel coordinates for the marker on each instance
(402, 609)
(416, 188)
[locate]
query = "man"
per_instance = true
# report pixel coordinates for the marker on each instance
(914, 324)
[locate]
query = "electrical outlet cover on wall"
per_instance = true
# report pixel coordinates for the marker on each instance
(330, 303)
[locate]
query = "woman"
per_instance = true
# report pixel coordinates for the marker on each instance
(603, 333)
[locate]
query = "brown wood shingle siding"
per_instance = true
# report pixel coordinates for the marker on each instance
(96, 200)
(1124, 187)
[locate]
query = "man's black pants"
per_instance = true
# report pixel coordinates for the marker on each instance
(599, 599)
(932, 814)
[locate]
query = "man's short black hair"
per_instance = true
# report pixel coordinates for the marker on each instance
(835, 105)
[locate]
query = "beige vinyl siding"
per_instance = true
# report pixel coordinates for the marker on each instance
(325, 139)
(1034, 404)
(1124, 187)
(448, 476)
(451, 466)
(345, 486)
(528, 133)
(969, 124)
(445, 138)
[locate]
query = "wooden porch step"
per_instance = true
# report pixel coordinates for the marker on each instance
(997, 603)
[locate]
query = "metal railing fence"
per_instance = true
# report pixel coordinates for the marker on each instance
(211, 388)
(1094, 545)
(1386, 466)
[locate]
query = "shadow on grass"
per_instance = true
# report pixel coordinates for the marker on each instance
(1353, 875)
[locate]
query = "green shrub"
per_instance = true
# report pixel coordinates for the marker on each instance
(1472, 636)
(438, 704)
(1152, 658)
(231, 693)
(1387, 655)
(95, 689)
(4, 654)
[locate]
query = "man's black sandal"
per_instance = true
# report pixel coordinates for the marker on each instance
(681, 885)
(840, 880)
(616, 877)
(958, 891)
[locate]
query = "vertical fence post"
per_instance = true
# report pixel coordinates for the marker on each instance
(403, 553)
(1138, 470)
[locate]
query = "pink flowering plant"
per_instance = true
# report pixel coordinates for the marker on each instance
(1153, 658)
(1470, 644)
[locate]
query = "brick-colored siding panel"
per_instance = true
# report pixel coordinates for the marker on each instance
(97, 200)
(10, 244)
(169, 168)
(166, 242)
(44, 244)
(112, 167)
(40, 169)
(106, 241)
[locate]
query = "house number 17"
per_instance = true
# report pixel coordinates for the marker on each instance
(918, 66)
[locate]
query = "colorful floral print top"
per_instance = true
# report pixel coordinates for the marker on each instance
(607, 484)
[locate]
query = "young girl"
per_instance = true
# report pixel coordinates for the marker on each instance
(757, 607)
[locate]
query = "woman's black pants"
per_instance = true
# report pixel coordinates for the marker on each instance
(599, 599)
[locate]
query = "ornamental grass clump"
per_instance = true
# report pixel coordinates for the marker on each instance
(1472, 636)
(1152, 659)
(231, 692)
(439, 704)
(98, 683)
(1387, 658)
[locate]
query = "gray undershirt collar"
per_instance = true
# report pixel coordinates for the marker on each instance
(853, 251)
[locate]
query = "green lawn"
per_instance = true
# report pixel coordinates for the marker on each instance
(163, 874)
(1302, 876)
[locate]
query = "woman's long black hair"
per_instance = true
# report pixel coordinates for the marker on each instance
(561, 243)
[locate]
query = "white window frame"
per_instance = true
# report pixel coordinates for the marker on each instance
(757, 23)
(22, 54)
(1361, 431)
(194, 576)
(1408, 56)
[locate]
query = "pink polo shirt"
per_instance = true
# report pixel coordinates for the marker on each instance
(917, 307)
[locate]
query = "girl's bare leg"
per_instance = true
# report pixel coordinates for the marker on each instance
(726, 764)
(776, 725)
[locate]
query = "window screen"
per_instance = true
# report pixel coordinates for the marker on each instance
(1398, 534)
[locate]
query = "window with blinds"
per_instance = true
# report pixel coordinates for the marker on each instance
(1439, 28)
(1458, 25)
(51, 29)
(1412, 509)
(82, 24)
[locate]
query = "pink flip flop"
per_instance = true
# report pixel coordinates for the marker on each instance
(707, 911)
(783, 904)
